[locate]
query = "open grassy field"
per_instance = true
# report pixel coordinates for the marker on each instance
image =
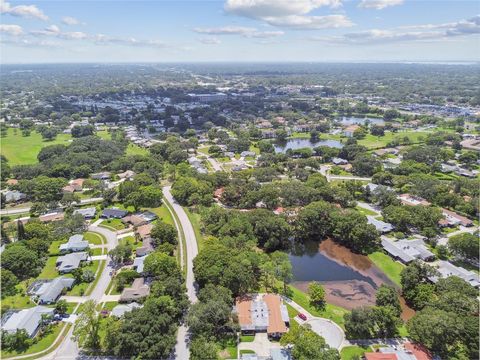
(195, 220)
(389, 266)
(163, 214)
(20, 150)
(113, 224)
(94, 238)
(133, 149)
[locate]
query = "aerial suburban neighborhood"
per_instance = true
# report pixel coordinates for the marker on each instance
(254, 186)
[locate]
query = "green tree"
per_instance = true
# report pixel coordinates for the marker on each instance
(308, 345)
(87, 326)
(387, 296)
(8, 283)
(202, 349)
(61, 307)
(316, 292)
(22, 262)
(465, 245)
(164, 233)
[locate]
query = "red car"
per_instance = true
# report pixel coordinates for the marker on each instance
(302, 316)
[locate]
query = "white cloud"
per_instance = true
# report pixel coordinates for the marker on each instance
(379, 4)
(289, 13)
(14, 30)
(210, 41)
(54, 30)
(311, 22)
(101, 39)
(408, 33)
(69, 20)
(248, 32)
(29, 43)
(26, 11)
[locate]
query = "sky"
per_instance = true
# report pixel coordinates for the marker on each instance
(65, 31)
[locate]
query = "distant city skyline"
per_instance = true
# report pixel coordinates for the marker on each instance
(239, 31)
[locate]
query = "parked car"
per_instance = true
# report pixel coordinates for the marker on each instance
(302, 316)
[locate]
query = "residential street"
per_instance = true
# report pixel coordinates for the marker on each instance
(27, 209)
(181, 348)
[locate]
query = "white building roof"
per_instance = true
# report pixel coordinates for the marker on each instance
(27, 319)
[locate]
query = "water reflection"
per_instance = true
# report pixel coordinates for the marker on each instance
(294, 144)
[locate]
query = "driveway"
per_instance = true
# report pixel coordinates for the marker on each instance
(261, 345)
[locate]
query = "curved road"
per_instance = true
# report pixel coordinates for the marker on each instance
(181, 348)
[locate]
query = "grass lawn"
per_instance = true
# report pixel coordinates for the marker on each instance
(203, 150)
(228, 349)
(246, 352)
(20, 150)
(41, 344)
(109, 305)
(54, 250)
(130, 240)
(163, 214)
(94, 238)
(247, 338)
(354, 352)
(78, 289)
(332, 312)
(49, 271)
(18, 301)
(104, 134)
(113, 224)
(195, 220)
(133, 149)
(365, 212)
(375, 142)
(389, 266)
(97, 251)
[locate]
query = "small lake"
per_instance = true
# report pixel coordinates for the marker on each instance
(350, 280)
(294, 144)
(359, 121)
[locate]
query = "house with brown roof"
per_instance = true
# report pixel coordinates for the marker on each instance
(453, 219)
(413, 200)
(350, 130)
(134, 220)
(262, 313)
(405, 351)
(54, 216)
(137, 291)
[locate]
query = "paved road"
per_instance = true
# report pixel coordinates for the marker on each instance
(216, 166)
(27, 209)
(181, 348)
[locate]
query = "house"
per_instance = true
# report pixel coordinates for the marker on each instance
(127, 175)
(262, 313)
(77, 184)
(113, 213)
(101, 176)
(248, 153)
(13, 196)
(134, 220)
(137, 291)
(146, 247)
(374, 187)
(119, 310)
(11, 182)
(87, 213)
(381, 226)
(407, 250)
(148, 216)
(68, 263)
(144, 231)
(68, 189)
(446, 269)
(350, 130)
(53, 216)
(413, 200)
(48, 291)
(405, 351)
(280, 354)
(453, 219)
(138, 264)
(74, 244)
(339, 161)
(28, 319)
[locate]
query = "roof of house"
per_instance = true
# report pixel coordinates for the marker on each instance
(407, 250)
(379, 225)
(27, 319)
(118, 213)
(458, 218)
(413, 200)
(137, 291)
(126, 174)
(55, 216)
(86, 212)
(121, 309)
(68, 188)
(13, 195)
(144, 230)
(265, 312)
(71, 261)
(419, 351)
(447, 269)
(352, 127)
(134, 219)
(77, 182)
(280, 354)
(49, 291)
(74, 243)
(138, 263)
(380, 356)
(146, 247)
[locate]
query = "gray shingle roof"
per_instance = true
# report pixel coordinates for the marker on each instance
(28, 319)
(48, 292)
(75, 243)
(70, 262)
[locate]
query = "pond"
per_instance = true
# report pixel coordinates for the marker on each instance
(282, 147)
(360, 121)
(350, 280)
